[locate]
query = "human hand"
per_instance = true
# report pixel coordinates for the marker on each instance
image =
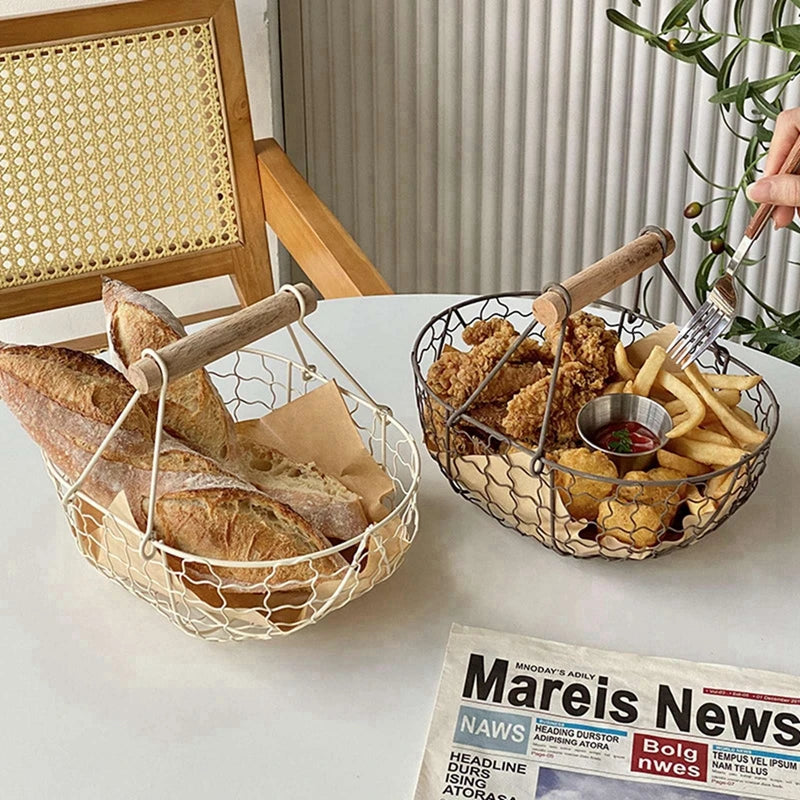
(783, 191)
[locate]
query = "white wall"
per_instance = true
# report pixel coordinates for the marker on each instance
(495, 146)
(86, 319)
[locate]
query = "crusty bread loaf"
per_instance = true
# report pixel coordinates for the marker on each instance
(194, 412)
(68, 401)
(326, 503)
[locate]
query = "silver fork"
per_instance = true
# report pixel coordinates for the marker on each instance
(715, 316)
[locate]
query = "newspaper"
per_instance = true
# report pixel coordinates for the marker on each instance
(518, 718)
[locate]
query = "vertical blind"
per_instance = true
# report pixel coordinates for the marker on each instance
(492, 145)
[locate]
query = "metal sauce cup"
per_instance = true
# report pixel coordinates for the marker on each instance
(608, 408)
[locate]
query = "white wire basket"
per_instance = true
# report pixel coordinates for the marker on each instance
(198, 594)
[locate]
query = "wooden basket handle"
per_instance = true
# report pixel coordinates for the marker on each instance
(222, 338)
(604, 275)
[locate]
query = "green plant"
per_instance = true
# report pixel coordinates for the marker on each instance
(686, 35)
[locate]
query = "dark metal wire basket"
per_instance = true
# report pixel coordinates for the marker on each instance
(520, 486)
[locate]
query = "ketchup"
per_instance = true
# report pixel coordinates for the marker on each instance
(626, 437)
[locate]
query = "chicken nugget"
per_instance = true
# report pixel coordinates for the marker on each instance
(582, 496)
(652, 495)
(634, 524)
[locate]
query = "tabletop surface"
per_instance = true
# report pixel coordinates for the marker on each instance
(103, 698)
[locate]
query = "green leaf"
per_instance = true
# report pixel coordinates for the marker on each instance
(737, 15)
(741, 95)
(620, 441)
(729, 93)
(770, 336)
(741, 326)
(698, 46)
(777, 14)
(767, 108)
(764, 134)
(697, 172)
(709, 234)
(765, 84)
(786, 36)
(706, 64)
(726, 67)
(791, 323)
(788, 352)
(679, 11)
(701, 284)
(751, 159)
(627, 24)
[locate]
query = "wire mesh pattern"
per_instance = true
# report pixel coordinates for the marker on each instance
(194, 593)
(569, 510)
(112, 151)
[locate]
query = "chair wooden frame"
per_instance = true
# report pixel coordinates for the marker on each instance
(266, 185)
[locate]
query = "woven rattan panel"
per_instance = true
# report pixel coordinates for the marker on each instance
(112, 152)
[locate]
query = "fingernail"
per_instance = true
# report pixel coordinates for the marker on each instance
(760, 191)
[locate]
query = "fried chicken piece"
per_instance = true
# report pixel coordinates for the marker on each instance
(465, 439)
(576, 385)
(582, 496)
(641, 513)
(461, 443)
(490, 414)
(499, 328)
(456, 375)
(588, 341)
(483, 329)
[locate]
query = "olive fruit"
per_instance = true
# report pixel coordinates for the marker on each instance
(672, 45)
(717, 245)
(692, 210)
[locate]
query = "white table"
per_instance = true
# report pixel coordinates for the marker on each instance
(102, 698)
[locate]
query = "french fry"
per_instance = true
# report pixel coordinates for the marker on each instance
(675, 407)
(746, 417)
(645, 378)
(694, 405)
(687, 466)
(628, 387)
(614, 388)
(707, 452)
(679, 419)
(624, 368)
(739, 382)
(716, 426)
(731, 397)
(705, 435)
(742, 433)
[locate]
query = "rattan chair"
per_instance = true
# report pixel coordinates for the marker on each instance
(126, 149)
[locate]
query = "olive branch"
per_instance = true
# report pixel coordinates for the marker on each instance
(686, 35)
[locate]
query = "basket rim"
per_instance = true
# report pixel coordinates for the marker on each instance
(409, 495)
(422, 383)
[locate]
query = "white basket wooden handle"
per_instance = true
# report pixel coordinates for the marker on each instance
(222, 338)
(604, 275)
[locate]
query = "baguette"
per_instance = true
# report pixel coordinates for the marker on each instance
(327, 504)
(194, 411)
(67, 401)
(196, 414)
